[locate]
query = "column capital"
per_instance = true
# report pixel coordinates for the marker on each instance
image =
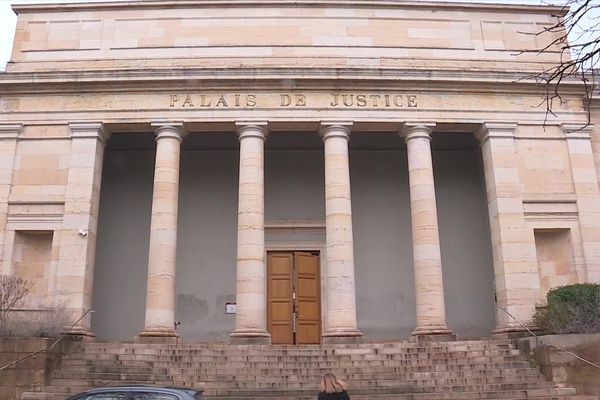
(169, 129)
(496, 130)
(577, 130)
(89, 130)
(258, 129)
(331, 129)
(413, 130)
(10, 131)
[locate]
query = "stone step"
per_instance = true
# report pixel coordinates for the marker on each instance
(396, 394)
(452, 396)
(462, 370)
(274, 382)
(59, 396)
(429, 393)
(299, 351)
(316, 359)
(308, 363)
(298, 375)
(475, 343)
(293, 367)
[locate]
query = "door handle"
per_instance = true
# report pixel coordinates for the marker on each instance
(294, 316)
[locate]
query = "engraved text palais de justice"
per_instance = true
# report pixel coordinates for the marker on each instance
(293, 100)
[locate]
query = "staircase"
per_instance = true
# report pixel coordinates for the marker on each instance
(461, 370)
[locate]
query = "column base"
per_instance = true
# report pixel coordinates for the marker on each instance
(80, 333)
(342, 336)
(249, 336)
(511, 332)
(157, 336)
(432, 334)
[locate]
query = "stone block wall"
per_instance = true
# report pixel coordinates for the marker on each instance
(562, 368)
(383, 35)
(32, 372)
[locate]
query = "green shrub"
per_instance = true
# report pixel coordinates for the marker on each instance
(571, 309)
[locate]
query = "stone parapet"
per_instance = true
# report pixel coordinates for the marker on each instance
(380, 34)
(562, 368)
(33, 372)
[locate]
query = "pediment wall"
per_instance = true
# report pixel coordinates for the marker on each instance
(233, 34)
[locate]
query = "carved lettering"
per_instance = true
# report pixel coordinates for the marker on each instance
(203, 102)
(361, 100)
(335, 101)
(412, 101)
(286, 100)
(398, 101)
(375, 98)
(221, 101)
(293, 100)
(187, 102)
(174, 99)
(300, 100)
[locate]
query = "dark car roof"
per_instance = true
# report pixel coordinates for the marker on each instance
(140, 388)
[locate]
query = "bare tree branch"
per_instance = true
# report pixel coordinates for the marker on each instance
(12, 291)
(576, 38)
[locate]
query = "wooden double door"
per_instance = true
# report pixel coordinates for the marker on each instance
(293, 297)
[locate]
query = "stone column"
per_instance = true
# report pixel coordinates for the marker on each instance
(513, 243)
(8, 148)
(429, 285)
(251, 286)
(340, 319)
(585, 182)
(75, 266)
(160, 294)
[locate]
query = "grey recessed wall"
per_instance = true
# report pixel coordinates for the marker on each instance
(294, 191)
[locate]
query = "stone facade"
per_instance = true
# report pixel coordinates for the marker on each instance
(439, 187)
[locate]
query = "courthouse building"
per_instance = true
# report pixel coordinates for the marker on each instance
(282, 171)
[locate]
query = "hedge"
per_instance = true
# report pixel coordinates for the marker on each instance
(571, 309)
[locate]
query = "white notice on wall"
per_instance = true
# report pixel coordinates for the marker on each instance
(229, 308)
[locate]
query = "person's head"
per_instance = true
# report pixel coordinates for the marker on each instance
(331, 384)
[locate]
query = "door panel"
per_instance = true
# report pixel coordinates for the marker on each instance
(308, 322)
(289, 272)
(279, 294)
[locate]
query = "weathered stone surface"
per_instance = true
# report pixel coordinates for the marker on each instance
(80, 71)
(31, 373)
(565, 370)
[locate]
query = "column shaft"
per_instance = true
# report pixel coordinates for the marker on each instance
(161, 295)
(251, 293)
(341, 324)
(429, 285)
(513, 244)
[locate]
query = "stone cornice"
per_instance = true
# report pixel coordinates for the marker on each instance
(16, 83)
(577, 131)
(160, 4)
(200, 75)
(10, 131)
